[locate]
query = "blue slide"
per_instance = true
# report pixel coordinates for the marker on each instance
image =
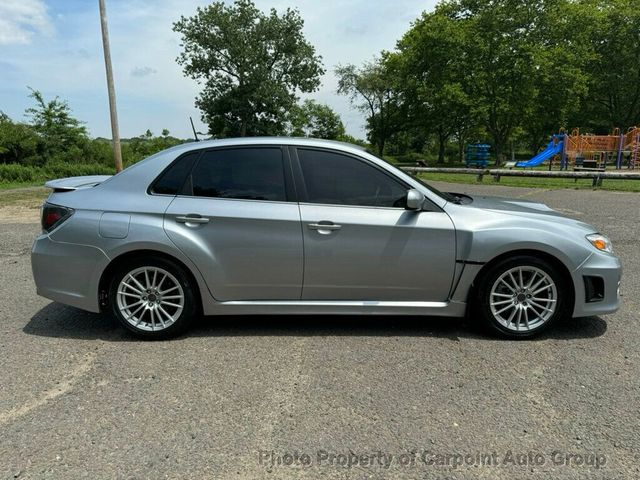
(553, 148)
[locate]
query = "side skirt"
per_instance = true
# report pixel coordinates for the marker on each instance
(329, 307)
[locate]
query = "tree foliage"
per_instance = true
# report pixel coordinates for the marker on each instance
(613, 31)
(372, 90)
(312, 119)
(57, 129)
(53, 143)
(251, 65)
(18, 142)
(506, 70)
(432, 83)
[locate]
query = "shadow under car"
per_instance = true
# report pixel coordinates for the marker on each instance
(60, 321)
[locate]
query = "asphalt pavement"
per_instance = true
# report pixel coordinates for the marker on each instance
(322, 397)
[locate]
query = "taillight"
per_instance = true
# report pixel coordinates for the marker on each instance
(54, 215)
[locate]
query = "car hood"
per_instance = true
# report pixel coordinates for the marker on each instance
(525, 208)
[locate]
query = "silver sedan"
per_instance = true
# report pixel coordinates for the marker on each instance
(301, 226)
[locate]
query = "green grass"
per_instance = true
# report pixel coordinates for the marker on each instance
(13, 185)
(549, 183)
(27, 197)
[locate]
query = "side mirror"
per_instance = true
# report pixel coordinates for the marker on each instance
(415, 199)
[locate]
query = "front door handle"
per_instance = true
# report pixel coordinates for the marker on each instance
(192, 218)
(324, 227)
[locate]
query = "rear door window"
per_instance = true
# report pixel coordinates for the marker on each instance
(255, 173)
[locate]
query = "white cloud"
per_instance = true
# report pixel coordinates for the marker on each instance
(21, 19)
(143, 71)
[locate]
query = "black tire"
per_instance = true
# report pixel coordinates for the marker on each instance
(189, 304)
(563, 298)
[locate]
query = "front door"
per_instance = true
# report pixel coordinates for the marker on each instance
(360, 242)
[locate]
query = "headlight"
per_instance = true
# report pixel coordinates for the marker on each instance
(601, 242)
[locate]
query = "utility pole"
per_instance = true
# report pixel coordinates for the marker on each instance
(117, 153)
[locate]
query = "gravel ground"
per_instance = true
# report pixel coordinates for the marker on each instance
(342, 397)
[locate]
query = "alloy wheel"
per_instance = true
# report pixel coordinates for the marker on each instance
(523, 298)
(150, 298)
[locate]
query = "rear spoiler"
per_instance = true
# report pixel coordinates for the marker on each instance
(76, 183)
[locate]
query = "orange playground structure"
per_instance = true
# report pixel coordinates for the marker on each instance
(600, 151)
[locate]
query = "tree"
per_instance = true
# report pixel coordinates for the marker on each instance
(613, 31)
(312, 119)
(61, 135)
(500, 54)
(18, 142)
(147, 144)
(515, 68)
(433, 94)
(563, 54)
(251, 64)
(371, 90)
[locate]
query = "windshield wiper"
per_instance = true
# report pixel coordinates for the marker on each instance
(458, 199)
(453, 198)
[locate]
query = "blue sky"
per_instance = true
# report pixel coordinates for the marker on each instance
(55, 46)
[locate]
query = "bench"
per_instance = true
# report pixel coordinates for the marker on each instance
(597, 181)
(417, 163)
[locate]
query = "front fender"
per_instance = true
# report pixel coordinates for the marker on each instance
(483, 246)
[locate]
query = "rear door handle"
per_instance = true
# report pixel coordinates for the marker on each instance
(192, 218)
(324, 227)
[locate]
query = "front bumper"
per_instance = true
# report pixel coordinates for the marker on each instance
(606, 267)
(67, 272)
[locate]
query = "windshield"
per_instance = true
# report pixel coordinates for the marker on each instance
(447, 196)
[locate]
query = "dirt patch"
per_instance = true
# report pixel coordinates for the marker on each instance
(19, 214)
(21, 205)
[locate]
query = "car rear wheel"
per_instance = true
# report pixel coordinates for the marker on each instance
(153, 298)
(522, 296)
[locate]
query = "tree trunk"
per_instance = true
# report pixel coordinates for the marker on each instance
(442, 145)
(441, 150)
(243, 128)
(498, 149)
(461, 140)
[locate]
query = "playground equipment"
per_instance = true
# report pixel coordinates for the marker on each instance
(555, 147)
(588, 150)
(477, 155)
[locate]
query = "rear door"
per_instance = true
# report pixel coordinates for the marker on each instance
(237, 220)
(360, 242)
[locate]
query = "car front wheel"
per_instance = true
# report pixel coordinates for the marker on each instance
(153, 298)
(522, 296)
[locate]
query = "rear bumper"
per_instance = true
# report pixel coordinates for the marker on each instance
(606, 267)
(67, 272)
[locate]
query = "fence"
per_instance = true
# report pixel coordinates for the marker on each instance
(596, 176)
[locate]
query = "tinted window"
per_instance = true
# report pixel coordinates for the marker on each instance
(173, 177)
(248, 173)
(338, 179)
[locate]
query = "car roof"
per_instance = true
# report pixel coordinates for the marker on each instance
(295, 141)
